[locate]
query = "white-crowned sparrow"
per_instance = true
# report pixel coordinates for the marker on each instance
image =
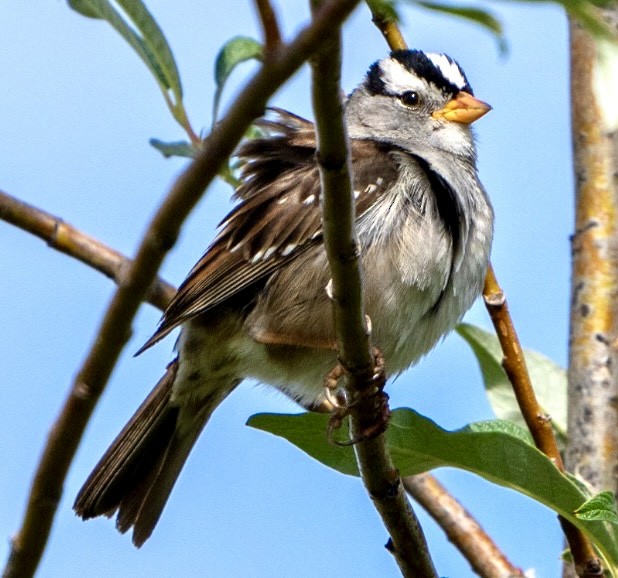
(255, 304)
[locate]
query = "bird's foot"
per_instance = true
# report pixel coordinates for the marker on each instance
(371, 400)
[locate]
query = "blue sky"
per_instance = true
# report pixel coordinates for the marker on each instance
(77, 108)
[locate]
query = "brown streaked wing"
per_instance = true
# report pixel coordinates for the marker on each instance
(277, 219)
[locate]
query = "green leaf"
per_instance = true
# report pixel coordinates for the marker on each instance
(476, 15)
(307, 431)
(174, 149)
(155, 40)
(85, 8)
(104, 10)
(139, 29)
(601, 507)
(548, 379)
(417, 444)
(235, 51)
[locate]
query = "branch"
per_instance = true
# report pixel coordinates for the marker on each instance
(387, 25)
(46, 490)
(592, 448)
(585, 559)
(270, 27)
(379, 475)
(68, 240)
(514, 365)
(460, 527)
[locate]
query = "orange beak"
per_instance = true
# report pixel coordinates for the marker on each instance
(463, 108)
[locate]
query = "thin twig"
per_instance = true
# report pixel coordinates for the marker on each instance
(387, 26)
(586, 561)
(514, 365)
(46, 490)
(71, 241)
(460, 527)
(378, 473)
(270, 27)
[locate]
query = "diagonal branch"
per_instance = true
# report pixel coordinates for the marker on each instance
(46, 490)
(270, 27)
(585, 559)
(460, 527)
(71, 241)
(407, 542)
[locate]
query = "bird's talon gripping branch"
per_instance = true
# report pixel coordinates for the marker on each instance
(379, 411)
(379, 375)
(331, 384)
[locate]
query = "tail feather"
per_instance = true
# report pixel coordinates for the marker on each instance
(132, 454)
(144, 513)
(136, 474)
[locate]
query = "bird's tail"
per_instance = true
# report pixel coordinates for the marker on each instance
(136, 474)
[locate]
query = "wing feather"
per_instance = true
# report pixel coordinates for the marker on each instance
(278, 217)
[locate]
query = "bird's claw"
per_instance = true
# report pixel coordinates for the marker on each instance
(380, 412)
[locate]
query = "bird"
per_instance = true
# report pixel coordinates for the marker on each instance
(255, 305)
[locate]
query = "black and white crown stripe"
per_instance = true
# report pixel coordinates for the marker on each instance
(409, 69)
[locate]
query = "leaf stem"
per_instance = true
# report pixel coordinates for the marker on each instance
(538, 423)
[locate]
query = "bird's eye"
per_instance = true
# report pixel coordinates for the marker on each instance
(410, 98)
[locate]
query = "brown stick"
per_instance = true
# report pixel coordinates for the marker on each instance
(461, 528)
(407, 542)
(29, 543)
(387, 26)
(71, 241)
(270, 26)
(586, 562)
(514, 365)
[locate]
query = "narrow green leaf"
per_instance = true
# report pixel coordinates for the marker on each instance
(548, 379)
(476, 15)
(104, 10)
(154, 38)
(227, 174)
(417, 444)
(601, 507)
(85, 8)
(235, 51)
(174, 149)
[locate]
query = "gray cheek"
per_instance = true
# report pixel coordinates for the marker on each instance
(380, 122)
